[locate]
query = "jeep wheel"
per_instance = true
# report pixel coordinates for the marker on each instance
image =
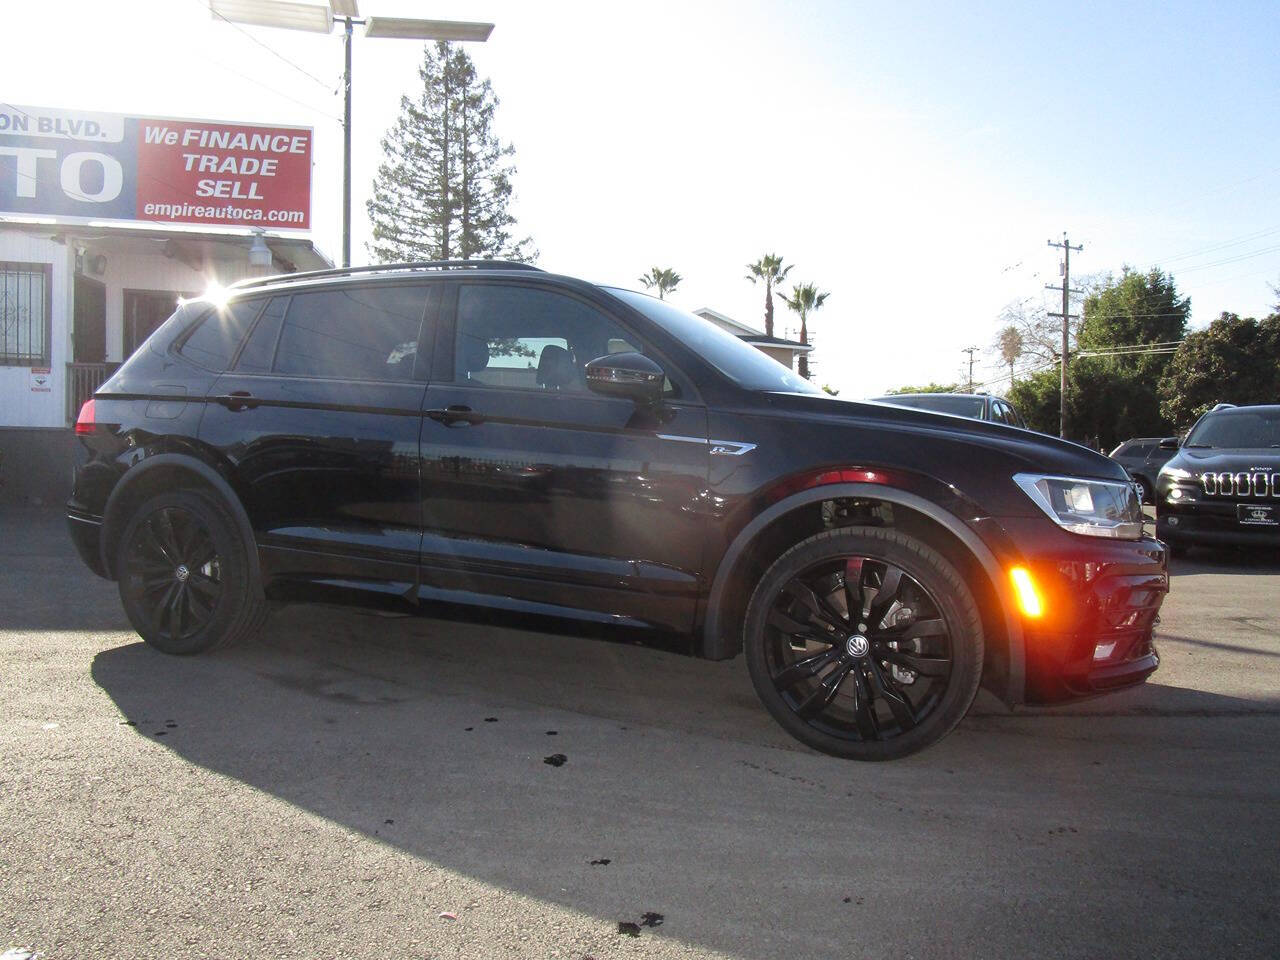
(864, 643)
(184, 575)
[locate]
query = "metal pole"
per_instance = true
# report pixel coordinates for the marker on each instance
(1066, 305)
(346, 147)
(1066, 248)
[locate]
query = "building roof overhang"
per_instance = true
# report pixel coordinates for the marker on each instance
(289, 252)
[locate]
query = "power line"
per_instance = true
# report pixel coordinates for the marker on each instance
(1228, 260)
(1212, 248)
(333, 91)
(279, 93)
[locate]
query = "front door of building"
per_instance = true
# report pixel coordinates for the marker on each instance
(89, 320)
(144, 310)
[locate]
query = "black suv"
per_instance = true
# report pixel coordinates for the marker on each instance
(488, 434)
(1222, 487)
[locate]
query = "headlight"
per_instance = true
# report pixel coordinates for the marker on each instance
(1177, 473)
(1098, 508)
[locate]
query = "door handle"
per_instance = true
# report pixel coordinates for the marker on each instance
(237, 400)
(455, 415)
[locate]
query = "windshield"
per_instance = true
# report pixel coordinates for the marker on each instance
(957, 406)
(740, 362)
(1238, 428)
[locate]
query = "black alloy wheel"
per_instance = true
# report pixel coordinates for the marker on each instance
(183, 574)
(864, 644)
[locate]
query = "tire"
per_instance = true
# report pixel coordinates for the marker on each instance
(885, 684)
(1147, 490)
(184, 574)
(1178, 550)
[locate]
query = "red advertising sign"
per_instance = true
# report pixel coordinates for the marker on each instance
(79, 166)
(224, 174)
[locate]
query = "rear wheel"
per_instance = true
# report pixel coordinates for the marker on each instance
(864, 643)
(184, 574)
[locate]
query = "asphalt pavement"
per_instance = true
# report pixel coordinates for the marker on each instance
(356, 785)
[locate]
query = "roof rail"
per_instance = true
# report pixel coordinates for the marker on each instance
(387, 268)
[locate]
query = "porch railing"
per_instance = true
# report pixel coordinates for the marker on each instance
(82, 380)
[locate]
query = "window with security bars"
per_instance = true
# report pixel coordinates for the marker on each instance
(25, 318)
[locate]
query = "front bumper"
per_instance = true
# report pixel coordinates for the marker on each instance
(1101, 600)
(1211, 524)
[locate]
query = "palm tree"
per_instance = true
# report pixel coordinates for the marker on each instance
(1009, 343)
(665, 280)
(770, 270)
(804, 297)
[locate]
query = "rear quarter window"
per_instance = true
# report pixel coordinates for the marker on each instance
(218, 333)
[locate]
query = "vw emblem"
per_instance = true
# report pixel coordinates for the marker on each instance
(182, 573)
(858, 646)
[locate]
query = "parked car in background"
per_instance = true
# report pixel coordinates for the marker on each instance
(1143, 457)
(1222, 485)
(977, 406)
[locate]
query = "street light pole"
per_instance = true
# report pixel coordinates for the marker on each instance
(320, 19)
(346, 144)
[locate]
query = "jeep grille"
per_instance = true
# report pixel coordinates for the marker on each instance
(1240, 484)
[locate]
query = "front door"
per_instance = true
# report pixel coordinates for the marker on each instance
(144, 311)
(541, 495)
(89, 319)
(319, 417)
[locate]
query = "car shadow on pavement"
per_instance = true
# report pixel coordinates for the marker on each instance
(678, 794)
(1249, 561)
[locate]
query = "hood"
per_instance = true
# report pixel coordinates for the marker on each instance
(1024, 450)
(1198, 460)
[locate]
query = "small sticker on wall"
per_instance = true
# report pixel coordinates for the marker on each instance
(41, 380)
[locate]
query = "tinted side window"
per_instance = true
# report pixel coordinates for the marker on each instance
(213, 342)
(260, 348)
(513, 336)
(353, 333)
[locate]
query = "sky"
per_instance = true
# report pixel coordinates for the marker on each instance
(913, 159)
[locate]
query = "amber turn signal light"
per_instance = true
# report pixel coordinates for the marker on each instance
(1029, 600)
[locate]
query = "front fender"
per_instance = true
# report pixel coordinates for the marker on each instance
(717, 645)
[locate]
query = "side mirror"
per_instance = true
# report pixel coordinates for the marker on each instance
(630, 375)
(1169, 443)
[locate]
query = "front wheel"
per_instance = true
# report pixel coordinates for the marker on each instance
(184, 574)
(864, 643)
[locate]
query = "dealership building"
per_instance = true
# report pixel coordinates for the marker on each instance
(106, 221)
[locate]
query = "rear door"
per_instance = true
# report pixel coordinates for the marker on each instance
(540, 494)
(318, 417)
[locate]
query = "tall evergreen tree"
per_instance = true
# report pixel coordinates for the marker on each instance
(443, 188)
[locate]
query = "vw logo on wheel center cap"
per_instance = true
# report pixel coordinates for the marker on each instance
(858, 646)
(182, 573)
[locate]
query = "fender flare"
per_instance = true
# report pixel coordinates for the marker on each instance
(111, 521)
(717, 647)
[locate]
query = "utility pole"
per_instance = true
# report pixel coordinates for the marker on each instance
(346, 141)
(970, 351)
(1066, 248)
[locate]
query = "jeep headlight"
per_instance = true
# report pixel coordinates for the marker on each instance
(1177, 473)
(1096, 508)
